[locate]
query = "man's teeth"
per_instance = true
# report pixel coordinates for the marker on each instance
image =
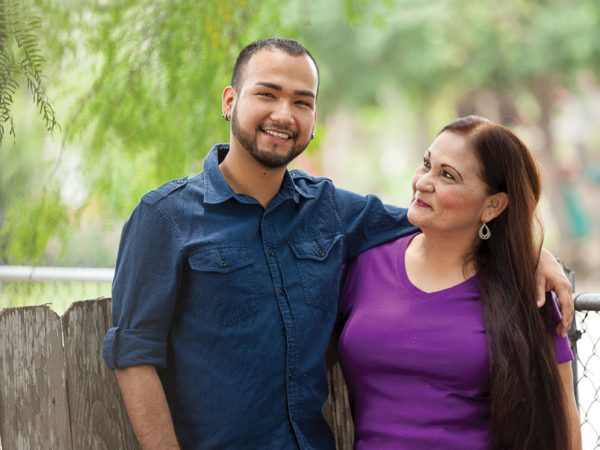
(277, 134)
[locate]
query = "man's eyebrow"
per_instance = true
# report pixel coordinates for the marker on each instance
(277, 87)
(304, 93)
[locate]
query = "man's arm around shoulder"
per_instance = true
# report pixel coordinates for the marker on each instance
(147, 407)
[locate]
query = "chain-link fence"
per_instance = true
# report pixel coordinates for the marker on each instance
(586, 371)
(59, 287)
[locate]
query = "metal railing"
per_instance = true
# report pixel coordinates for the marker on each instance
(57, 286)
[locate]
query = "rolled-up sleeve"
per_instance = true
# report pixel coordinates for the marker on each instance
(145, 289)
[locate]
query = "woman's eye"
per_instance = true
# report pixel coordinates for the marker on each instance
(426, 163)
(447, 175)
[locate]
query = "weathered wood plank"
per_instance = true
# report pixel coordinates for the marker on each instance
(337, 410)
(36, 373)
(98, 417)
(33, 399)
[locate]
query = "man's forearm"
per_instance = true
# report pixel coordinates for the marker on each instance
(147, 407)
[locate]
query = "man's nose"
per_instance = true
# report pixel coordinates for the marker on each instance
(282, 113)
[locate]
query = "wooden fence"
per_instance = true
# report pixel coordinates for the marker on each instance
(56, 393)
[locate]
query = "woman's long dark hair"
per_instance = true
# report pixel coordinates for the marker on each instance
(527, 401)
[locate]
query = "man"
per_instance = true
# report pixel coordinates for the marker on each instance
(229, 280)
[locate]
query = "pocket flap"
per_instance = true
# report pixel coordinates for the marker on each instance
(317, 249)
(220, 259)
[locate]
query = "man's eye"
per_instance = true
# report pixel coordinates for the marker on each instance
(266, 94)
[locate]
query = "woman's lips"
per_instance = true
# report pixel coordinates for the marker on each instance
(421, 203)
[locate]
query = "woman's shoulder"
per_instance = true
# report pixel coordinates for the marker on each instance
(394, 247)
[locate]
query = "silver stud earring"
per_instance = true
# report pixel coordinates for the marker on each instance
(484, 232)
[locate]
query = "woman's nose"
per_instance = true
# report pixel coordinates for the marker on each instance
(423, 182)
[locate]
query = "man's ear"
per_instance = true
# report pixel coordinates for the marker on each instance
(494, 205)
(227, 100)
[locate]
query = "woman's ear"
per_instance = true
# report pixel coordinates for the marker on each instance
(494, 205)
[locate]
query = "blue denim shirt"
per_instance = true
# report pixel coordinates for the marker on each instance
(237, 302)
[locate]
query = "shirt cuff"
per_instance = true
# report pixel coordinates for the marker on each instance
(133, 347)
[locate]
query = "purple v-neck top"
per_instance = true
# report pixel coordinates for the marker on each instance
(416, 363)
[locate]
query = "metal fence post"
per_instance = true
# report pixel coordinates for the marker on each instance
(574, 335)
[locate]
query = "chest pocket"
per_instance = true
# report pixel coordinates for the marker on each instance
(319, 263)
(221, 281)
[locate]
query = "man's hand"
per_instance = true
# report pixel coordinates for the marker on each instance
(551, 277)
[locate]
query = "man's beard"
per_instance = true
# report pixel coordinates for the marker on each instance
(271, 159)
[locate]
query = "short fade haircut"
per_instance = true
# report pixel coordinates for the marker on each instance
(288, 46)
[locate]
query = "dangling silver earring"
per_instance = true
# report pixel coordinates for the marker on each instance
(484, 232)
(226, 117)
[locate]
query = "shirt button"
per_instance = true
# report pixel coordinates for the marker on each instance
(281, 292)
(223, 263)
(321, 253)
(290, 376)
(271, 252)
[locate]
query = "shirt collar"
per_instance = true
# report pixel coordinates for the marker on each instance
(216, 189)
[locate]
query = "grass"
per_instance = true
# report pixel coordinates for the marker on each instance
(57, 295)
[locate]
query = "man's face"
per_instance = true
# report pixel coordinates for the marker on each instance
(274, 109)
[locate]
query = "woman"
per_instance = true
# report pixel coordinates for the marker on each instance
(442, 345)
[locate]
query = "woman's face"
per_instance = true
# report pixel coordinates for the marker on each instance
(449, 195)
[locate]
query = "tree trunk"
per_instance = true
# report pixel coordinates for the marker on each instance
(553, 182)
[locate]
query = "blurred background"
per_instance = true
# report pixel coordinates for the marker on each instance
(130, 91)
(101, 101)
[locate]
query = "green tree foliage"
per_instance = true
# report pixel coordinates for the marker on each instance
(21, 60)
(153, 107)
(31, 223)
(140, 80)
(148, 108)
(426, 49)
(505, 60)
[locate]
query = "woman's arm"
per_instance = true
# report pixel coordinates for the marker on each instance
(566, 378)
